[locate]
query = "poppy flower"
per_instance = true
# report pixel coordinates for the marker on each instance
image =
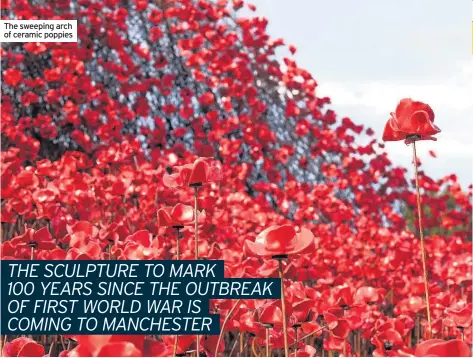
(41, 239)
(302, 309)
(12, 77)
(344, 297)
(441, 348)
(248, 323)
(367, 294)
(203, 170)
(411, 119)
(23, 347)
(388, 336)
(281, 240)
(207, 99)
(461, 317)
(178, 216)
(271, 314)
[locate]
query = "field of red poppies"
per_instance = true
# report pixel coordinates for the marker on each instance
(171, 131)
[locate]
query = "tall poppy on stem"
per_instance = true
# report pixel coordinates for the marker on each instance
(279, 258)
(269, 316)
(177, 217)
(195, 175)
(302, 313)
(413, 121)
(278, 243)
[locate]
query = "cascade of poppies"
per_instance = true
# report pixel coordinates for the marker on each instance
(184, 75)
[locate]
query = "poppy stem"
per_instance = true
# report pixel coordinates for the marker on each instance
(242, 336)
(417, 329)
(222, 331)
(358, 343)
(267, 342)
(421, 232)
(283, 307)
(51, 348)
(178, 249)
(174, 348)
(234, 344)
(178, 257)
(296, 339)
(4, 341)
(32, 253)
(196, 226)
(253, 348)
(196, 233)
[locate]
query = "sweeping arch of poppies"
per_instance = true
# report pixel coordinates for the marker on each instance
(171, 131)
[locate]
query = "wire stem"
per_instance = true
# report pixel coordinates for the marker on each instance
(283, 307)
(421, 232)
(196, 232)
(178, 257)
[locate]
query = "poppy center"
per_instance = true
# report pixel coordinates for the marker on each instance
(413, 137)
(388, 345)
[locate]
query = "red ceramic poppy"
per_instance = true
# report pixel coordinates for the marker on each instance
(441, 348)
(302, 310)
(312, 327)
(281, 240)
(12, 77)
(23, 347)
(271, 314)
(388, 336)
(203, 170)
(344, 297)
(411, 119)
(461, 317)
(248, 323)
(367, 294)
(41, 239)
(177, 216)
(342, 330)
(334, 343)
